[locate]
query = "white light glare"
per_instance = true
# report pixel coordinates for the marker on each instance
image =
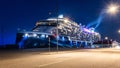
(106, 38)
(42, 36)
(26, 34)
(96, 33)
(117, 47)
(66, 20)
(113, 9)
(60, 16)
(34, 35)
(46, 36)
(119, 31)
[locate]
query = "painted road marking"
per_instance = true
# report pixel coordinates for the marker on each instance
(49, 64)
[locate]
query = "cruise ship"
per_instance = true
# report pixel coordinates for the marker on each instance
(59, 31)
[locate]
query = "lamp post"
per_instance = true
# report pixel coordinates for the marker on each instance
(49, 43)
(57, 35)
(57, 22)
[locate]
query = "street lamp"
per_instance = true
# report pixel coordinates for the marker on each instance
(119, 31)
(49, 43)
(113, 9)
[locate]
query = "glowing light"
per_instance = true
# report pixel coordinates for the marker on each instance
(34, 35)
(42, 36)
(113, 9)
(96, 33)
(69, 38)
(66, 20)
(60, 16)
(92, 30)
(115, 43)
(26, 35)
(63, 39)
(106, 38)
(119, 31)
(96, 22)
(46, 36)
(117, 47)
(86, 30)
(58, 37)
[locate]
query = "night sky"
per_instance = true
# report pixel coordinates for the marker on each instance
(23, 14)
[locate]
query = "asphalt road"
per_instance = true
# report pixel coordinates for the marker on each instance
(80, 58)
